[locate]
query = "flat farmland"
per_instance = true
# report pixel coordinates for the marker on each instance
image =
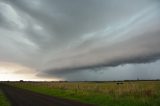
(128, 93)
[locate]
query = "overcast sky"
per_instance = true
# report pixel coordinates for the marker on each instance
(79, 39)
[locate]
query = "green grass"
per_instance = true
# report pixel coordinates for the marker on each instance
(146, 93)
(3, 100)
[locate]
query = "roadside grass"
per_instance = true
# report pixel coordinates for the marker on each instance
(141, 93)
(3, 100)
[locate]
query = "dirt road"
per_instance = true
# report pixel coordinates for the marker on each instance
(20, 97)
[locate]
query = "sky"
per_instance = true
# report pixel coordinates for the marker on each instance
(79, 40)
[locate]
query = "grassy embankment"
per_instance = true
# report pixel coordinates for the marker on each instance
(141, 93)
(3, 100)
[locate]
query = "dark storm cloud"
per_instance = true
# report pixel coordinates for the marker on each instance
(141, 49)
(68, 20)
(59, 37)
(121, 72)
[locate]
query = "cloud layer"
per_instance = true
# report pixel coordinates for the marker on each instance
(59, 37)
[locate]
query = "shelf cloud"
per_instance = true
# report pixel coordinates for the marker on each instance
(61, 38)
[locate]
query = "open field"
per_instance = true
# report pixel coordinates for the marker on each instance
(136, 93)
(3, 99)
(22, 97)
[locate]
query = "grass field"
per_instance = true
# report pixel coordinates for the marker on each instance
(3, 100)
(138, 93)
